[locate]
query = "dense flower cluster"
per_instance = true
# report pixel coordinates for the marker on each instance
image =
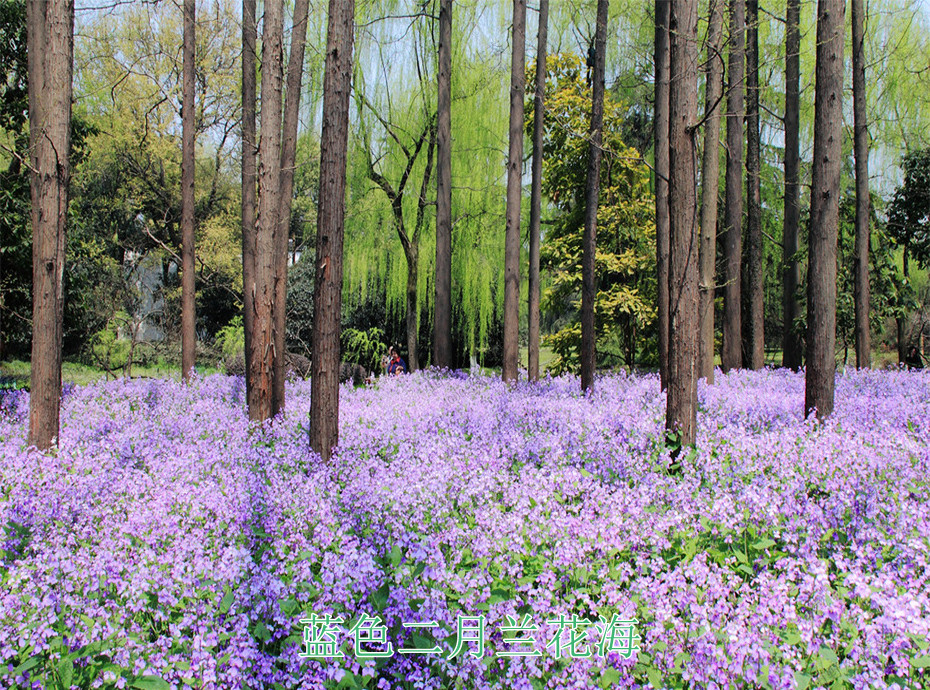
(168, 543)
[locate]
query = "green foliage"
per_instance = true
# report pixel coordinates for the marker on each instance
(109, 347)
(909, 211)
(625, 258)
(363, 347)
(231, 337)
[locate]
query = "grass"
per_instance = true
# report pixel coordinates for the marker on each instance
(82, 374)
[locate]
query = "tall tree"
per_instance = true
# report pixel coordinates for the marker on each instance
(249, 37)
(50, 45)
(539, 115)
(825, 209)
(681, 408)
(861, 143)
(660, 136)
(754, 318)
(295, 69)
(514, 194)
(442, 321)
(188, 308)
(710, 184)
(731, 356)
(791, 345)
(269, 205)
(592, 192)
(327, 289)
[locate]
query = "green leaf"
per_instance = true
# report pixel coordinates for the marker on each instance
(763, 544)
(65, 673)
(149, 683)
(28, 664)
(921, 662)
(802, 680)
(396, 555)
(227, 601)
(609, 677)
(655, 677)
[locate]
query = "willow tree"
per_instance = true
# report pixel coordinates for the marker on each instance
(442, 322)
(710, 186)
(327, 289)
(50, 41)
(731, 355)
(824, 226)
(514, 194)
(188, 308)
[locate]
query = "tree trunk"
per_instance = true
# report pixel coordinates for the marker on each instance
(592, 192)
(710, 183)
(825, 186)
(249, 32)
(791, 345)
(413, 350)
(861, 142)
(681, 408)
(188, 276)
(269, 203)
(539, 115)
(660, 136)
(295, 69)
(442, 320)
(514, 193)
(50, 41)
(327, 289)
(755, 317)
(731, 355)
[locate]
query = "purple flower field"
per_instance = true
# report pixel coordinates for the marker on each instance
(170, 544)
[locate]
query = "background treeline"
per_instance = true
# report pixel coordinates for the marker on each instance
(124, 242)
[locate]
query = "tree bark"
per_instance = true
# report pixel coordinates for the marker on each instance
(539, 115)
(710, 184)
(681, 407)
(754, 351)
(327, 289)
(660, 136)
(731, 355)
(442, 321)
(249, 37)
(861, 143)
(514, 194)
(791, 276)
(188, 276)
(50, 41)
(821, 273)
(269, 203)
(592, 192)
(295, 70)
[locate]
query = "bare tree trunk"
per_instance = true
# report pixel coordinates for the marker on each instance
(188, 276)
(411, 252)
(539, 116)
(442, 321)
(710, 185)
(295, 70)
(249, 32)
(731, 355)
(514, 194)
(681, 408)
(755, 316)
(50, 28)
(821, 273)
(327, 289)
(861, 282)
(791, 346)
(592, 192)
(660, 137)
(269, 204)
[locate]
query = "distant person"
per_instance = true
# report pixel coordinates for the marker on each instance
(913, 360)
(397, 365)
(386, 359)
